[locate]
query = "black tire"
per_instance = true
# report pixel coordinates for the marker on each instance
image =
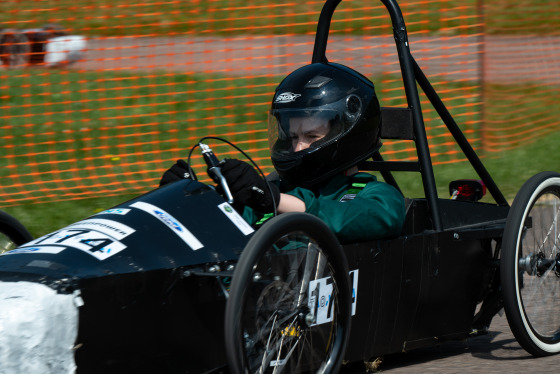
(15, 49)
(273, 321)
(530, 265)
(12, 233)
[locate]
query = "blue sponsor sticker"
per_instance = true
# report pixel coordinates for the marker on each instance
(168, 220)
(36, 249)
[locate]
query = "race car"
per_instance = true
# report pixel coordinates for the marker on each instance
(48, 46)
(175, 281)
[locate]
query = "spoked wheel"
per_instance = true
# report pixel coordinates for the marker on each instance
(289, 307)
(12, 233)
(530, 265)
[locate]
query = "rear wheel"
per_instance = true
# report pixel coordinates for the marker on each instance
(12, 233)
(289, 307)
(530, 265)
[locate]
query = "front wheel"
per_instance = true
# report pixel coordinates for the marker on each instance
(12, 233)
(289, 308)
(530, 265)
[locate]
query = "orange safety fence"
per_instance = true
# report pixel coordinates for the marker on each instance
(99, 97)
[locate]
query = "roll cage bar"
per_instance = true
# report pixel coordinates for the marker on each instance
(411, 74)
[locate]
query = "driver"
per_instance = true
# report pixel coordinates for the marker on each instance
(323, 121)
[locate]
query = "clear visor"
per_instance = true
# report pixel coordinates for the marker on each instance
(293, 131)
(296, 130)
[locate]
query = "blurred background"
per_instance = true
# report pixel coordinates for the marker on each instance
(99, 97)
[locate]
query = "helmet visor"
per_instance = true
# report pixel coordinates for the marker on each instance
(294, 131)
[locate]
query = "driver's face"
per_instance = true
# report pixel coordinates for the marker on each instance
(306, 130)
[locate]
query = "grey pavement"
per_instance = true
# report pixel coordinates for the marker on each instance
(496, 352)
(496, 58)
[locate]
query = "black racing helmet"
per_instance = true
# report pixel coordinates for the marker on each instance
(337, 107)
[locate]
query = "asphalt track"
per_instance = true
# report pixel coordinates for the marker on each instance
(496, 352)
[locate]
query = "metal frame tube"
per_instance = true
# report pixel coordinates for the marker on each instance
(411, 74)
(458, 135)
(413, 99)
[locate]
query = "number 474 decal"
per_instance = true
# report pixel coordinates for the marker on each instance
(320, 297)
(92, 242)
(98, 237)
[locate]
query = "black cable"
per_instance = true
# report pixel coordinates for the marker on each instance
(193, 175)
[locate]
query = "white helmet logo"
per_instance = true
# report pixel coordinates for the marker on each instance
(286, 97)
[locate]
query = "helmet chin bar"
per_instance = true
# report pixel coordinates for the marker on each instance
(296, 172)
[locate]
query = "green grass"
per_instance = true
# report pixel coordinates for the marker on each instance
(122, 131)
(43, 218)
(209, 17)
(537, 17)
(93, 128)
(226, 17)
(510, 170)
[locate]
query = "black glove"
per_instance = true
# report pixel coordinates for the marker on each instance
(248, 188)
(180, 170)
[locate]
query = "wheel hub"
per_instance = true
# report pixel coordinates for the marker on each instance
(538, 264)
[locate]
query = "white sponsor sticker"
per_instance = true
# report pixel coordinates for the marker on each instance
(237, 220)
(286, 97)
(114, 229)
(94, 243)
(171, 222)
(320, 297)
(97, 237)
(320, 300)
(354, 279)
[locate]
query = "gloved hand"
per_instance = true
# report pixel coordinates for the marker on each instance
(248, 187)
(180, 170)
